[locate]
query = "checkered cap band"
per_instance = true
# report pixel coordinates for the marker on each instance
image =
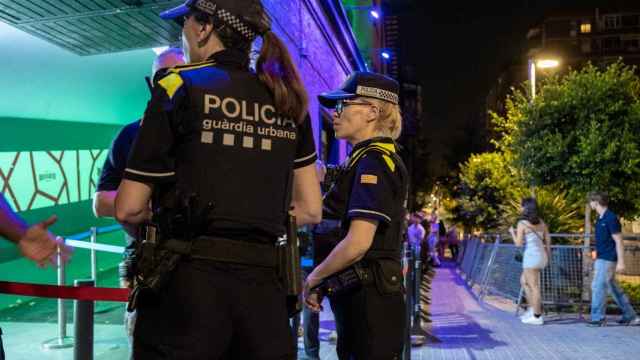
(237, 24)
(378, 94)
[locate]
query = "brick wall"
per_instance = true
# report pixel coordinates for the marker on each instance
(304, 27)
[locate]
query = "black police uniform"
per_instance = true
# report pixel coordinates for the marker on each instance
(371, 319)
(212, 129)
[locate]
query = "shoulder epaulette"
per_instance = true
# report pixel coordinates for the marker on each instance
(171, 83)
(186, 67)
(171, 80)
(385, 149)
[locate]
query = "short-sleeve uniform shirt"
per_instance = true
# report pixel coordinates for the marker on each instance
(370, 188)
(373, 190)
(212, 130)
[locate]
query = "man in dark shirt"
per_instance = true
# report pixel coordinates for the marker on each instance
(113, 170)
(116, 163)
(610, 259)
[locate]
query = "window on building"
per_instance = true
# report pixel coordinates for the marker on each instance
(631, 44)
(586, 46)
(612, 21)
(557, 29)
(585, 28)
(612, 43)
(631, 20)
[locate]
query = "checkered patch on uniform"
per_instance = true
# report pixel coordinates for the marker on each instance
(369, 179)
(237, 24)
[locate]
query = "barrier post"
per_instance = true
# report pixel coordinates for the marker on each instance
(83, 325)
(94, 260)
(487, 272)
(406, 264)
(62, 341)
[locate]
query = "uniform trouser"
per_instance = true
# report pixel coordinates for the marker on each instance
(370, 326)
(211, 311)
(311, 325)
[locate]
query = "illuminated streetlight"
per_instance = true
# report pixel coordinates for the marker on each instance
(386, 55)
(374, 12)
(548, 63)
(542, 64)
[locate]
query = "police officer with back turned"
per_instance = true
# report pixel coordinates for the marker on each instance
(362, 275)
(225, 155)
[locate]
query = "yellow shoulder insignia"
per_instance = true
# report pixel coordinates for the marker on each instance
(386, 146)
(178, 68)
(369, 179)
(390, 163)
(171, 83)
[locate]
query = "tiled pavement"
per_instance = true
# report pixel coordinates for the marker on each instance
(472, 330)
(468, 330)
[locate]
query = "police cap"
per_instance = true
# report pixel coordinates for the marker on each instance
(245, 16)
(365, 84)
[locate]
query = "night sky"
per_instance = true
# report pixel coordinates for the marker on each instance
(458, 49)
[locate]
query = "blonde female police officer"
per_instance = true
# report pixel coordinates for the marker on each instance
(242, 143)
(370, 197)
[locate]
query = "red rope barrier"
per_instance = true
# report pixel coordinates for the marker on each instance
(65, 292)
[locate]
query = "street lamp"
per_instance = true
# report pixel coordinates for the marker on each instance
(375, 13)
(542, 64)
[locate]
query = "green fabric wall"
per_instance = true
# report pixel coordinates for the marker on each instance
(54, 101)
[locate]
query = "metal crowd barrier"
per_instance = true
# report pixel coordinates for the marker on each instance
(62, 341)
(489, 262)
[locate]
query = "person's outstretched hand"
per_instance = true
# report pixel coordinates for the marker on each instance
(40, 245)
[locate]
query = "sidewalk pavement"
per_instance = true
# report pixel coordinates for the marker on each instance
(490, 330)
(468, 330)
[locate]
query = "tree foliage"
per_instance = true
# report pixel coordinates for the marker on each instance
(486, 184)
(582, 133)
(555, 207)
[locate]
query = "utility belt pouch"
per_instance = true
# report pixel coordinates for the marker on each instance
(388, 275)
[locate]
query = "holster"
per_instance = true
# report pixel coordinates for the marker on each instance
(153, 267)
(290, 269)
(345, 281)
(380, 269)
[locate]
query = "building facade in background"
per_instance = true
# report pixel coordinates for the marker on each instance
(600, 36)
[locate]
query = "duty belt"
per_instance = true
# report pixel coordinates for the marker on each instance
(382, 254)
(225, 250)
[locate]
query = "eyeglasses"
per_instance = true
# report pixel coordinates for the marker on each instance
(342, 104)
